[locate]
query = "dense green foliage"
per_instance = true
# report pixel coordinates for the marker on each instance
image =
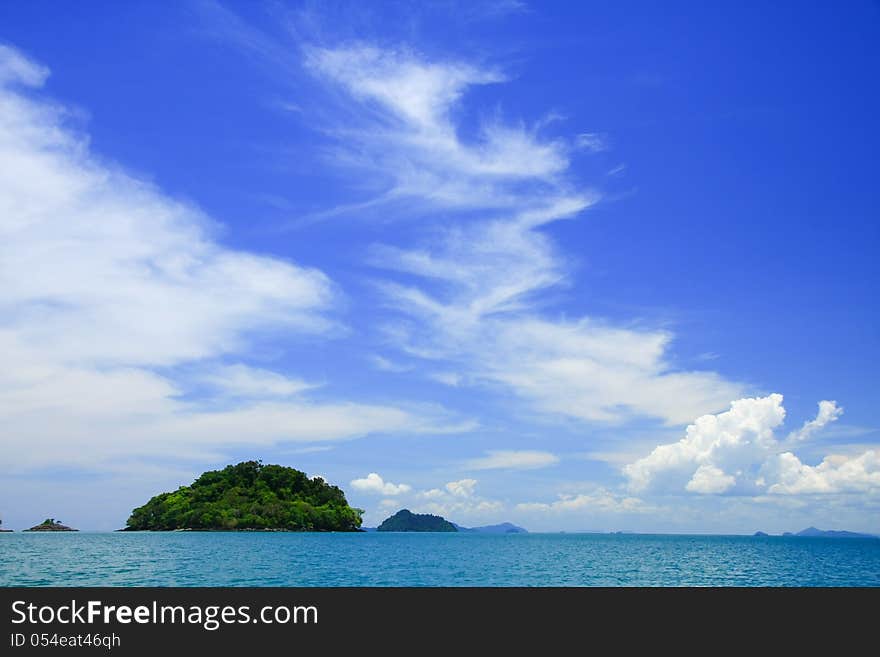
(407, 521)
(250, 495)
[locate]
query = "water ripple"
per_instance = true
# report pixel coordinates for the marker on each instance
(380, 559)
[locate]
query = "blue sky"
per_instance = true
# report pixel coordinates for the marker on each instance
(565, 264)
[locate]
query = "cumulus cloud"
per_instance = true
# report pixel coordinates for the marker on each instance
(513, 460)
(738, 451)
(457, 499)
(732, 439)
(124, 319)
(462, 488)
(374, 484)
(709, 479)
(835, 474)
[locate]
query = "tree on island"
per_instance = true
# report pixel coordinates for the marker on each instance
(249, 496)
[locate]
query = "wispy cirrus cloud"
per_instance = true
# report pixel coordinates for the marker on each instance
(513, 460)
(482, 272)
(598, 501)
(125, 323)
(404, 131)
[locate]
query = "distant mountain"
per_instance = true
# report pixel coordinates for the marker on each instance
(503, 528)
(822, 533)
(407, 521)
(832, 533)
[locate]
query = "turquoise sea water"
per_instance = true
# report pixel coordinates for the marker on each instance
(390, 559)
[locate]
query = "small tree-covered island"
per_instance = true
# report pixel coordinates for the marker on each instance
(249, 496)
(51, 525)
(407, 521)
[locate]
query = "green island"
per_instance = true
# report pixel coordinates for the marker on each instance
(407, 521)
(51, 525)
(249, 496)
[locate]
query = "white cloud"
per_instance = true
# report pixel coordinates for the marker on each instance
(594, 372)
(373, 483)
(240, 380)
(513, 460)
(600, 500)
(403, 132)
(419, 93)
(728, 441)
(98, 267)
(829, 411)
(456, 500)
(462, 488)
(709, 479)
(592, 141)
(585, 369)
(738, 451)
(446, 378)
(388, 365)
(117, 303)
(413, 101)
(460, 511)
(835, 474)
(16, 68)
(475, 307)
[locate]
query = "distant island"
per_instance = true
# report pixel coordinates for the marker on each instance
(249, 496)
(4, 531)
(503, 528)
(832, 533)
(812, 532)
(51, 525)
(407, 521)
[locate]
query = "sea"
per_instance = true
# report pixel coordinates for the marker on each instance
(432, 559)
